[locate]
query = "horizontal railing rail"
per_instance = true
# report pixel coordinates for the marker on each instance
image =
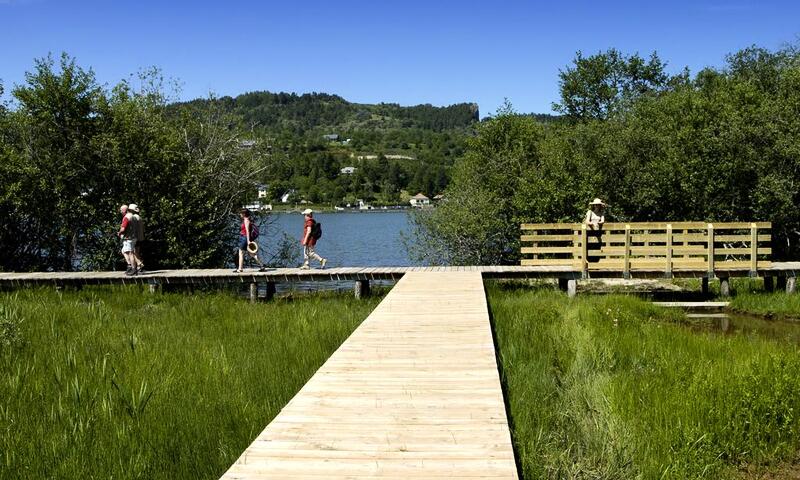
(667, 246)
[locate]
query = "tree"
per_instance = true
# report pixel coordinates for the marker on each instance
(599, 85)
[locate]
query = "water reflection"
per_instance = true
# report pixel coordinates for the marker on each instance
(739, 324)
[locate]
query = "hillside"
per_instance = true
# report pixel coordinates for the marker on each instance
(324, 149)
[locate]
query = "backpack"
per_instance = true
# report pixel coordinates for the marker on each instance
(316, 230)
(254, 232)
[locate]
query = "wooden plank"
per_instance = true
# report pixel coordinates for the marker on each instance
(550, 226)
(547, 238)
(569, 250)
(413, 393)
(546, 261)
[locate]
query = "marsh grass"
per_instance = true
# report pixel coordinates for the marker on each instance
(614, 387)
(112, 383)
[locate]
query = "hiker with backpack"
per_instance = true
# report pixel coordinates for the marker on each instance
(248, 233)
(312, 231)
(128, 237)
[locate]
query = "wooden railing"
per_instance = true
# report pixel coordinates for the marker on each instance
(626, 247)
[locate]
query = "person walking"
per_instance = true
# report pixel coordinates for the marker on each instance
(309, 241)
(137, 232)
(128, 239)
(246, 243)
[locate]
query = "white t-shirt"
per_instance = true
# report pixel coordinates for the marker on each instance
(594, 219)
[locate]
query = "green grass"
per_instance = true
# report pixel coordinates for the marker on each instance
(113, 383)
(779, 305)
(613, 387)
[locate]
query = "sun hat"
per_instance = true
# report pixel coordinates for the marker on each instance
(252, 247)
(133, 207)
(597, 201)
(308, 211)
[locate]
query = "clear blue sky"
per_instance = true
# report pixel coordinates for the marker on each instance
(407, 52)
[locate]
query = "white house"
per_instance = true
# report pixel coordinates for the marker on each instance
(419, 200)
(286, 196)
(262, 191)
(348, 170)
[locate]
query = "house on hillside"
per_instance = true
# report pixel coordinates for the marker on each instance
(287, 196)
(419, 200)
(348, 170)
(331, 137)
(262, 190)
(438, 198)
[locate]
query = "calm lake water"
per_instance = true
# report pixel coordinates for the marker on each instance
(351, 239)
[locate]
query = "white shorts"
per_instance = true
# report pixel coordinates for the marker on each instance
(128, 246)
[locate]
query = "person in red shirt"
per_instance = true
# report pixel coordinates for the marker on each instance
(309, 242)
(128, 240)
(246, 243)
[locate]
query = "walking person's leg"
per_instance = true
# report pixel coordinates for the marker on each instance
(306, 252)
(312, 253)
(242, 248)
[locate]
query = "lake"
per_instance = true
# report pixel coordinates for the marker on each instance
(350, 239)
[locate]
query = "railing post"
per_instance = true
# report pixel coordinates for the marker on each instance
(584, 251)
(753, 250)
(535, 244)
(710, 250)
(626, 261)
(685, 242)
(669, 250)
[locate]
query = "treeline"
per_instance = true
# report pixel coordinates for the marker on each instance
(722, 145)
(72, 152)
(278, 112)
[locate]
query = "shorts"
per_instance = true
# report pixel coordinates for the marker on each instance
(128, 246)
(242, 242)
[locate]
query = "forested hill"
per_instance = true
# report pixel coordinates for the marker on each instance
(300, 113)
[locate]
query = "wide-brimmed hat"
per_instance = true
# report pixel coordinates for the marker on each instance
(133, 207)
(597, 201)
(308, 211)
(252, 247)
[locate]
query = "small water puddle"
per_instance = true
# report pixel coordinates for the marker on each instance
(728, 323)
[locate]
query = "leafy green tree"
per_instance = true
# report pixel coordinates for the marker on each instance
(597, 86)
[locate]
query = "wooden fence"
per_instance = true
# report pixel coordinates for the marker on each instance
(667, 247)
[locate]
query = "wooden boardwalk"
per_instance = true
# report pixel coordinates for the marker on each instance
(414, 392)
(224, 275)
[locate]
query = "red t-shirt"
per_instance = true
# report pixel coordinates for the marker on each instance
(124, 226)
(311, 240)
(243, 231)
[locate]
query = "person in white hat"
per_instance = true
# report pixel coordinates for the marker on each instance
(125, 234)
(309, 241)
(137, 231)
(595, 216)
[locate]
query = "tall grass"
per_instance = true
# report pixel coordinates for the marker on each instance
(613, 387)
(111, 383)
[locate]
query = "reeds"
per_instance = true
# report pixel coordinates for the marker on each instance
(113, 383)
(613, 387)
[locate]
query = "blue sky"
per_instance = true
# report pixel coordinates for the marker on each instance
(407, 52)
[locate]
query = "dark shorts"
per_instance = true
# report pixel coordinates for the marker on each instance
(242, 242)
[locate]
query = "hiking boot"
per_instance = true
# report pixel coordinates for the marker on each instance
(263, 268)
(322, 263)
(305, 266)
(130, 271)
